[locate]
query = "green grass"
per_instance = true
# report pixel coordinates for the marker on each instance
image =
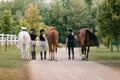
(11, 65)
(105, 56)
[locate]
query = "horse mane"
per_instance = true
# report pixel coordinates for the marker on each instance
(93, 37)
(83, 27)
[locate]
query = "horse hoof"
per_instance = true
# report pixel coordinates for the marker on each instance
(83, 59)
(86, 59)
(49, 59)
(56, 60)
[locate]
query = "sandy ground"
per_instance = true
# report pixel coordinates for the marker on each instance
(65, 69)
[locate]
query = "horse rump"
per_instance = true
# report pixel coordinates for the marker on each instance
(55, 38)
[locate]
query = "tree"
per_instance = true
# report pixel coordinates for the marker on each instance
(17, 8)
(6, 24)
(114, 6)
(64, 15)
(52, 15)
(103, 22)
(32, 16)
(107, 22)
(88, 2)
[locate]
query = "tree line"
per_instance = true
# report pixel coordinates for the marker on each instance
(102, 16)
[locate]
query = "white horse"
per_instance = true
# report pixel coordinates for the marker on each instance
(24, 43)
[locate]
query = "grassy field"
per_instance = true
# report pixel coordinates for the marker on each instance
(11, 65)
(105, 56)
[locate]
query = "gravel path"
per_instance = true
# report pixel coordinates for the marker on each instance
(65, 69)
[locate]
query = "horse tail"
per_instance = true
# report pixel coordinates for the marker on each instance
(93, 37)
(55, 38)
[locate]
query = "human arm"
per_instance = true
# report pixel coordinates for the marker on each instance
(66, 41)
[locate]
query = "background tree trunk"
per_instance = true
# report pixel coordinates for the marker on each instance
(111, 46)
(117, 45)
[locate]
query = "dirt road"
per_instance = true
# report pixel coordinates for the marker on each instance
(65, 69)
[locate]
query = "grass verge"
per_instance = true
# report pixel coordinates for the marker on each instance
(105, 56)
(11, 65)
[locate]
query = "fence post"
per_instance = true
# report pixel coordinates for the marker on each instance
(15, 39)
(11, 39)
(7, 38)
(2, 39)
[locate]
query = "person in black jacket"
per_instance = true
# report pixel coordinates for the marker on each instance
(42, 38)
(33, 42)
(70, 44)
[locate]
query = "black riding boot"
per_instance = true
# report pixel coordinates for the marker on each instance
(69, 53)
(34, 55)
(45, 55)
(72, 53)
(41, 55)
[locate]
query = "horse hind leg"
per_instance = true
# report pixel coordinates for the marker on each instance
(55, 54)
(27, 53)
(83, 53)
(52, 53)
(52, 56)
(49, 55)
(56, 57)
(23, 54)
(87, 53)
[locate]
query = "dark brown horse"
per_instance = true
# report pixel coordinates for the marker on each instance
(52, 38)
(86, 37)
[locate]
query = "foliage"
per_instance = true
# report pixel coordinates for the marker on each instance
(104, 19)
(32, 16)
(107, 22)
(64, 14)
(6, 24)
(89, 2)
(63, 17)
(114, 6)
(104, 56)
(6, 21)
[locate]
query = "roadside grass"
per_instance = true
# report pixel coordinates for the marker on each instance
(11, 65)
(105, 56)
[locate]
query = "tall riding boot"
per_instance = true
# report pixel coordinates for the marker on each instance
(69, 56)
(45, 55)
(72, 53)
(34, 56)
(69, 53)
(32, 53)
(73, 56)
(41, 55)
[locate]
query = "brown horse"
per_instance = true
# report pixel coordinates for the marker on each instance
(52, 38)
(86, 37)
